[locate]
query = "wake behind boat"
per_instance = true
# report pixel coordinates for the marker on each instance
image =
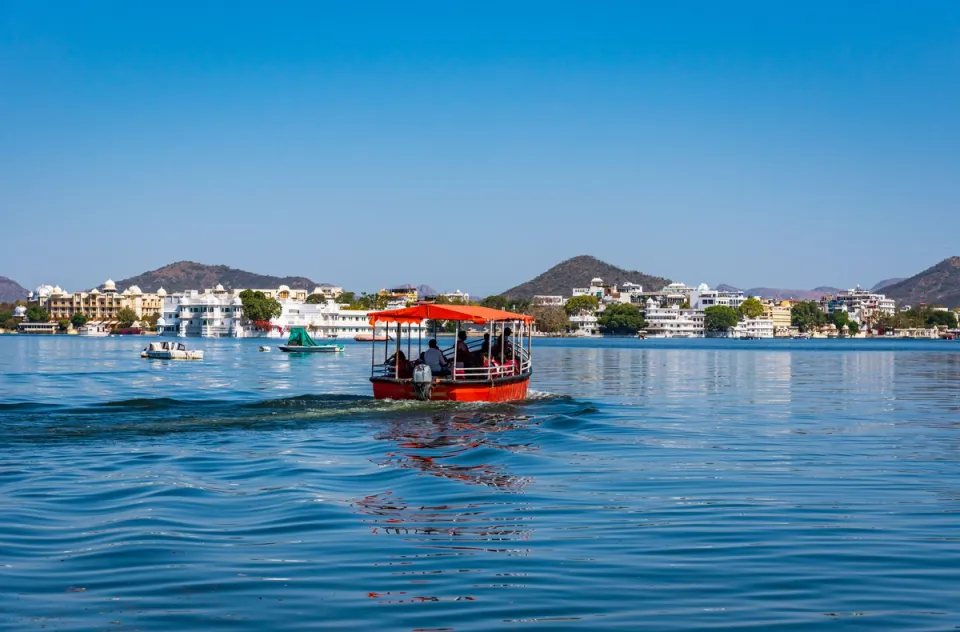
(301, 342)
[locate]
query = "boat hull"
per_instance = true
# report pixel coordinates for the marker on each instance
(172, 355)
(317, 349)
(501, 390)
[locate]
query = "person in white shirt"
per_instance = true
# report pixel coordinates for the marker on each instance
(433, 357)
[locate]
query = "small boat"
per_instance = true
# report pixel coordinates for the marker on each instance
(372, 337)
(93, 330)
(496, 368)
(170, 351)
(264, 349)
(301, 342)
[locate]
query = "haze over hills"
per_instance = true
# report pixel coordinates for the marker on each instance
(938, 285)
(781, 293)
(11, 291)
(188, 275)
(886, 283)
(577, 272)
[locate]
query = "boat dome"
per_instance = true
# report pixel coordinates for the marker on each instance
(161, 292)
(109, 286)
(161, 322)
(19, 311)
(43, 290)
(134, 289)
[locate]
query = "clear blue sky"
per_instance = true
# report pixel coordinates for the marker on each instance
(474, 145)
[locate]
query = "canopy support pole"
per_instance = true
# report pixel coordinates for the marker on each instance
(456, 343)
(397, 354)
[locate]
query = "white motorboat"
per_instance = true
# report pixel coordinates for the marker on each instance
(93, 330)
(170, 351)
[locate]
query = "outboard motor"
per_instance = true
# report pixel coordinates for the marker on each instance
(422, 381)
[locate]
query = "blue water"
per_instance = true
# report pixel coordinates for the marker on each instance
(658, 485)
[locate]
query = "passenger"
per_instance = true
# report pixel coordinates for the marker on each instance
(403, 367)
(463, 351)
(502, 347)
(488, 362)
(439, 365)
(484, 348)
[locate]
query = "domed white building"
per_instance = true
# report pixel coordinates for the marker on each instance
(19, 311)
(109, 286)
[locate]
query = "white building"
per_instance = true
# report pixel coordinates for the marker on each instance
(209, 314)
(703, 297)
(584, 324)
(859, 303)
(595, 289)
(753, 328)
(549, 301)
(455, 296)
(676, 294)
(673, 322)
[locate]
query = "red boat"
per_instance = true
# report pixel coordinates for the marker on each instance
(495, 368)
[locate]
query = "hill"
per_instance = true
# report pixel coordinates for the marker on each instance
(783, 293)
(938, 285)
(577, 272)
(11, 291)
(187, 275)
(886, 283)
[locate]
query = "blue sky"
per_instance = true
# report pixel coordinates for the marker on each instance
(474, 145)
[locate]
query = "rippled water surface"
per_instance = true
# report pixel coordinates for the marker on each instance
(645, 484)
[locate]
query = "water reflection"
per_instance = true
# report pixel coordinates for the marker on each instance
(447, 446)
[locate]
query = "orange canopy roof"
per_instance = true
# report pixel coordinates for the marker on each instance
(472, 313)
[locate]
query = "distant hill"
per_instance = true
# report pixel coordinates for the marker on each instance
(577, 272)
(886, 283)
(938, 285)
(782, 293)
(187, 275)
(11, 291)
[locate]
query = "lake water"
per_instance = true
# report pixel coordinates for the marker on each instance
(663, 485)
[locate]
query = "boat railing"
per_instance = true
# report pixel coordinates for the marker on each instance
(518, 362)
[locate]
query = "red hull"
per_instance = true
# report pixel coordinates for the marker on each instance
(508, 390)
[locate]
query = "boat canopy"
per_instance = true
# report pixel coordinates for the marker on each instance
(300, 338)
(472, 313)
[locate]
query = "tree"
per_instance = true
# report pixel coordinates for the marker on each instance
(853, 327)
(621, 319)
(150, 321)
(9, 324)
(79, 319)
(495, 302)
(582, 303)
(315, 299)
(720, 318)
(940, 318)
(126, 317)
(345, 298)
(551, 320)
(64, 324)
(36, 314)
(257, 306)
(751, 308)
(5, 316)
(807, 315)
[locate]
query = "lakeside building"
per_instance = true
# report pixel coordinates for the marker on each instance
(408, 293)
(673, 322)
(703, 297)
(584, 323)
(543, 300)
(97, 304)
(780, 313)
(753, 328)
(455, 296)
(208, 314)
(862, 305)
